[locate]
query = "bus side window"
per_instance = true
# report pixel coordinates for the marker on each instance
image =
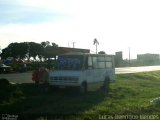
(108, 58)
(109, 65)
(95, 63)
(101, 62)
(101, 58)
(101, 65)
(90, 65)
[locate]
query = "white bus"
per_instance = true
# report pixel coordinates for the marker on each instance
(84, 71)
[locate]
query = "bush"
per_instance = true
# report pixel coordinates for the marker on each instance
(8, 92)
(4, 82)
(5, 90)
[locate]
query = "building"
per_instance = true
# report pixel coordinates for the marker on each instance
(118, 59)
(148, 59)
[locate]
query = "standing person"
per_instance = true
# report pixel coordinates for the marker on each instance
(35, 75)
(43, 75)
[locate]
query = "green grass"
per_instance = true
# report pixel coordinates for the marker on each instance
(129, 95)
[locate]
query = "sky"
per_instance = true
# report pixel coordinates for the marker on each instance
(117, 24)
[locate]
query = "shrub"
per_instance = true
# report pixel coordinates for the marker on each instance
(5, 89)
(9, 92)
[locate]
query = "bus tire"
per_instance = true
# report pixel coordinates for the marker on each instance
(105, 86)
(36, 82)
(83, 88)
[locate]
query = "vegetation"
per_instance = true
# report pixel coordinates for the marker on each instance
(131, 94)
(9, 93)
(95, 42)
(101, 52)
(26, 50)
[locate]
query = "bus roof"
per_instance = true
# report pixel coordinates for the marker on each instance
(86, 54)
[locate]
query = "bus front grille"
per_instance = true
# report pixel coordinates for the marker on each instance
(64, 79)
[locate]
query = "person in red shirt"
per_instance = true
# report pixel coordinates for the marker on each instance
(43, 75)
(35, 75)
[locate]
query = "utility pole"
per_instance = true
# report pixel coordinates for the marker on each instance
(95, 42)
(0, 51)
(129, 56)
(73, 44)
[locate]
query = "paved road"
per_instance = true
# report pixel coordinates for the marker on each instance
(27, 76)
(18, 77)
(124, 70)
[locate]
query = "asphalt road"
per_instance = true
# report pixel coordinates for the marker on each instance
(27, 76)
(18, 77)
(125, 70)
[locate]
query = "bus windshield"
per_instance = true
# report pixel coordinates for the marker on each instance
(70, 62)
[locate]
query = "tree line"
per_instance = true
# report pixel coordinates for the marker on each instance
(27, 50)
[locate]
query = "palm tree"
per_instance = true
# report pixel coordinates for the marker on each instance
(95, 42)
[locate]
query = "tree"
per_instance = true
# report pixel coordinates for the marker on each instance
(45, 44)
(35, 50)
(101, 52)
(23, 50)
(15, 50)
(95, 42)
(0, 50)
(49, 51)
(54, 45)
(27, 50)
(5, 53)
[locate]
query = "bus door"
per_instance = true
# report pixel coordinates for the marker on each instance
(92, 74)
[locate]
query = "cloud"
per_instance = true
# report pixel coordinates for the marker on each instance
(13, 13)
(116, 24)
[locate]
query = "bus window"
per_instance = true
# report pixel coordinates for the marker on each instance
(101, 58)
(108, 58)
(95, 65)
(73, 62)
(108, 64)
(101, 65)
(89, 62)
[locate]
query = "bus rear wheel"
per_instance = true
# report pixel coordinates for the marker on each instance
(83, 88)
(105, 86)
